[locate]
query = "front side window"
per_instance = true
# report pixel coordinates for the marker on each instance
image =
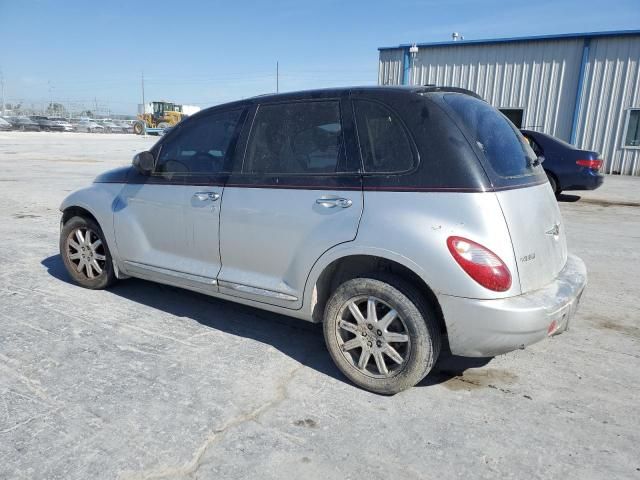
(384, 142)
(296, 138)
(199, 147)
(632, 138)
(504, 148)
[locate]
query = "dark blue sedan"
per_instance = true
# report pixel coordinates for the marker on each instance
(567, 167)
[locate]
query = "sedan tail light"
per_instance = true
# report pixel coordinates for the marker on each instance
(592, 164)
(480, 263)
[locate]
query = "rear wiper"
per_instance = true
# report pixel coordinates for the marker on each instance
(538, 161)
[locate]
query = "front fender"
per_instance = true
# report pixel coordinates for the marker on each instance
(97, 199)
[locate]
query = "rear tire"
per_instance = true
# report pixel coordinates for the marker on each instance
(554, 184)
(360, 343)
(85, 254)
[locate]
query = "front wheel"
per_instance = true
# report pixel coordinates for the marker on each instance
(138, 128)
(381, 334)
(85, 253)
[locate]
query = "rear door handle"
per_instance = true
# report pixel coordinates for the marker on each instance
(332, 202)
(206, 196)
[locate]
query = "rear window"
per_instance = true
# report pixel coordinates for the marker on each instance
(505, 150)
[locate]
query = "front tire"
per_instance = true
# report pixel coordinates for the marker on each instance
(381, 333)
(85, 254)
(138, 128)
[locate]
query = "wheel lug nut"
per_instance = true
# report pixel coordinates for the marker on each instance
(379, 332)
(370, 327)
(370, 344)
(379, 343)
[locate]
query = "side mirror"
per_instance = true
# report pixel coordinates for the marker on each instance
(144, 162)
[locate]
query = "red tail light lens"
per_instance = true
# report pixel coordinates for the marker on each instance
(480, 263)
(592, 164)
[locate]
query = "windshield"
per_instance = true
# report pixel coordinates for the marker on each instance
(505, 150)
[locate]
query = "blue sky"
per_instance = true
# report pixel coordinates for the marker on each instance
(209, 52)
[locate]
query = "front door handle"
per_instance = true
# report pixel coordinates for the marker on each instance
(332, 202)
(206, 196)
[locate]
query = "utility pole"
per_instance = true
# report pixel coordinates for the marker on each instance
(144, 133)
(50, 107)
(2, 92)
(277, 77)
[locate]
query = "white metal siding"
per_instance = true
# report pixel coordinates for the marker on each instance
(541, 77)
(538, 76)
(611, 87)
(390, 67)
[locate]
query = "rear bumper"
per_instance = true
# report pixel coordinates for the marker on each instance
(587, 180)
(484, 328)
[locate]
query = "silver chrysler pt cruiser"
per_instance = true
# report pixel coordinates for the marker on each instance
(406, 220)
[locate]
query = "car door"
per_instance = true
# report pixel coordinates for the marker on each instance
(297, 195)
(166, 224)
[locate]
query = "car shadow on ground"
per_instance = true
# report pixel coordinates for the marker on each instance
(300, 340)
(563, 197)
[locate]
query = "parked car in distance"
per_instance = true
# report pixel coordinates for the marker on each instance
(47, 124)
(124, 126)
(64, 123)
(89, 126)
(567, 167)
(406, 220)
(4, 125)
(111, 127)
(24, 123)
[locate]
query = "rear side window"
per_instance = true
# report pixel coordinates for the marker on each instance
(384, 142)
(296, 138)
(504, 148)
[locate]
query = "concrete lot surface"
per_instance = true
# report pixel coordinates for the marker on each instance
(146, 381)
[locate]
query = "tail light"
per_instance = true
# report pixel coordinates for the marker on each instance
(480, 263)
(592, 164)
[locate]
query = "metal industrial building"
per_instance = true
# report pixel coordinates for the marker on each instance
(583, 88)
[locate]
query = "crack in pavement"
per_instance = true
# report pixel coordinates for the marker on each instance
(193, 465)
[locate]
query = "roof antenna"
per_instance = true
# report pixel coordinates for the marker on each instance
(457, 36)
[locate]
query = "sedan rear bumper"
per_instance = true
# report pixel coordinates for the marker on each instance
(485, 328)
(588, 180)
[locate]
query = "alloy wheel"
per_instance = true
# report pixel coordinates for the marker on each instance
(373, 337)
(86, 252)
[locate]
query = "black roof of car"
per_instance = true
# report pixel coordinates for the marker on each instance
(338, 92)
(334, 92)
